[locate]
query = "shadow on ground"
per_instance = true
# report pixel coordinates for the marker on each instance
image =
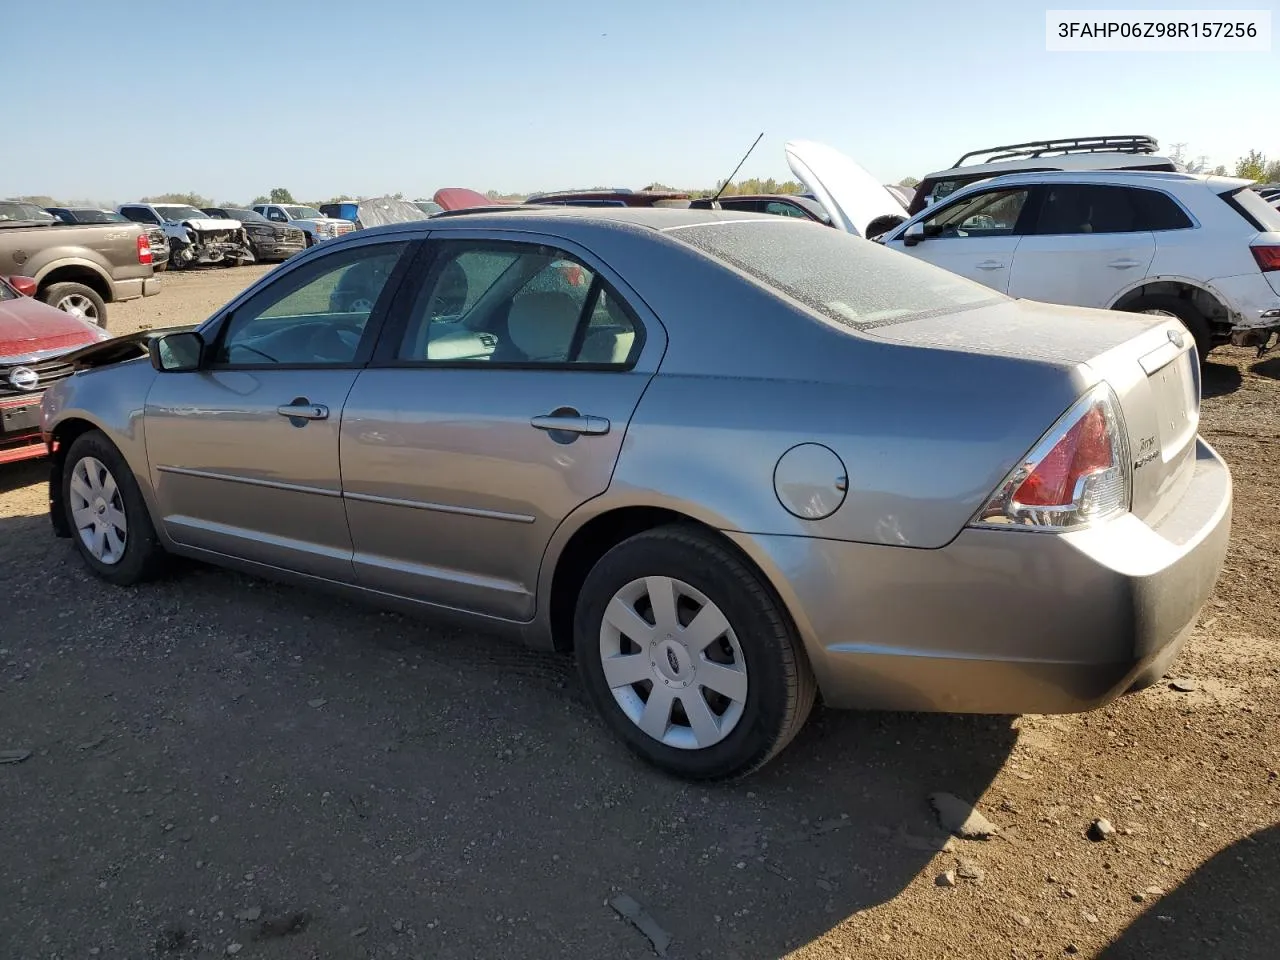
(356, 783)
(1219, 379)
(25, 473)
(1229, 908)
(1269, 368)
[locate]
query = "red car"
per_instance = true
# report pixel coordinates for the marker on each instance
(33, 339)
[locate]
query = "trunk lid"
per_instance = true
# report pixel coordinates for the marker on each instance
(852, 196)
(1149, 361)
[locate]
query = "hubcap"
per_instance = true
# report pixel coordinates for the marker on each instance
(97, 511)
(673, 663)
(78, 305)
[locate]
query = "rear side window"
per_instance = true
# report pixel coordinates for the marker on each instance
(1073, 208)
(1254, 208)
(1159, 211)
(845, 278)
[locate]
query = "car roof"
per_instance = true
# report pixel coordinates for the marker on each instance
(1067, 161)
(564, 220)
(1131, 177)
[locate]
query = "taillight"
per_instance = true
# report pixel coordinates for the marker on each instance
(1078, 474)
(1268, 257)
(144, 248)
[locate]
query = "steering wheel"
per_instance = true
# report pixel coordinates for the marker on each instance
(336, 342)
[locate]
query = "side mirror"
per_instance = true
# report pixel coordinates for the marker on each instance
(913, 234)
(24, 285)
(176, 352)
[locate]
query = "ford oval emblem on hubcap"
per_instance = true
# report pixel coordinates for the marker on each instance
(24, 378)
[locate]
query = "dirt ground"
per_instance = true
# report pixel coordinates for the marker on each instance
(221, 766)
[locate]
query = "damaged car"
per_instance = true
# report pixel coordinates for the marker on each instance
(195, 238)
(268, 241)
(155, 235)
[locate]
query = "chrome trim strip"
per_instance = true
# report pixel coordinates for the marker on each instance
(440, 508)
(250, 481)
(41, 355)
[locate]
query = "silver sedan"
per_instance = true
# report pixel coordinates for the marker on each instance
(732, 462)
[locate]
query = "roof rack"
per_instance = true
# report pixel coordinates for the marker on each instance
(1133, 143)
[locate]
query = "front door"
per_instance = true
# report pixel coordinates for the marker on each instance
(491, 411)
(244, 452)
(1088, 244)
(975, 236)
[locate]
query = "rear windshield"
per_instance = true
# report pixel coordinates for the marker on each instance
(1253, 207)
(848, 279)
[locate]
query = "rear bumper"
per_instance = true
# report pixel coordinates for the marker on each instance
(132, 289)
(1004, 621)
(1253, 303)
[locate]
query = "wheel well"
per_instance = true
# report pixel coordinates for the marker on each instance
(89, 277)
(1205, 303)
(596, 538)
(64, 434)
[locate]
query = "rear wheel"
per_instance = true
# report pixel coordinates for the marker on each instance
(78, 300)
(1179, 309)
(108, 518)
(689, 657)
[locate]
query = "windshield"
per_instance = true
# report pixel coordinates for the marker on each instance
(98, 216)
(843, 277)
(178, 211)
(429, 207)
(245, 216)
(17, 210)
(303, 213)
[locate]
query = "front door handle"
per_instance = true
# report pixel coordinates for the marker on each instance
(303, 409)
(571, 423)
(1124, 263)
(990, 265)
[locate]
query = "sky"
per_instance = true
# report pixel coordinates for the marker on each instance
(113, 100)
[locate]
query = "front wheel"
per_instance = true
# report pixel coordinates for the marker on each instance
(108, 519)
(689, 657)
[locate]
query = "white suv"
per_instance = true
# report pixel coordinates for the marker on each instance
(1203, 249)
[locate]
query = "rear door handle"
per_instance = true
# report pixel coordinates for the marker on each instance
(990, 265)
(593, 426)
(303, 409)
(1124, 263)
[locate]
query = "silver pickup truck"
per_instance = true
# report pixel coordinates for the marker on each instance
(79, 269)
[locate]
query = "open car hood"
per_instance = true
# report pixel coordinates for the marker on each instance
(852, 196)
(460, 198)
(211, 223)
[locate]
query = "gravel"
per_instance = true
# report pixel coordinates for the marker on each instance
(484, 757)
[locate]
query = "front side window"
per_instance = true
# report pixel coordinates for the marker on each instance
(314, 316)
(516, 303)
(991, 214)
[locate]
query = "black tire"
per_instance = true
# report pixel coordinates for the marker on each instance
(883, 225)
(781, 687)
(62, 295)
(1191, 318)
(143, 555)
(311, 241)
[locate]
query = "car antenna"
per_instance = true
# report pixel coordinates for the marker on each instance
(736, 169)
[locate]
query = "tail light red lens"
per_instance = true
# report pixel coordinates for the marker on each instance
(1268, 257)
(144, 249)
(1078, 474)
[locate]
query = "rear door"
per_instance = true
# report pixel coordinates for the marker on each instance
(1088, 243)
(975, 236)
(496, 406)
(244, 452)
